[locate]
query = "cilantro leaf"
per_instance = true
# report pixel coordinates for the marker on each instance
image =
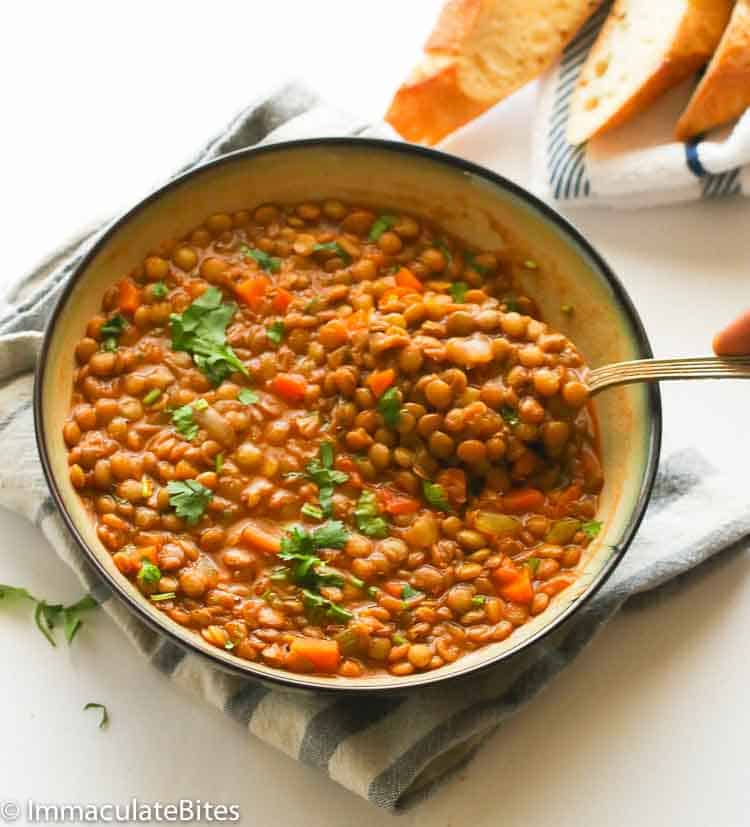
(510, 416)
(320, 472)
(533, 565)
(105, 715)
(275, 331)
(458, 290)
(189, 499)
(478, 601)
(333, 247)
(299, 546)
(149, 573)
(248, 397)
(592, 528)
(159, 289)
(408, 593)
(312, 511)
(332, 534)
(201, 331)
(318, 608)
(326, 454)
(435, 495)
(182, 419)
(389, 406)
(383, 223)
(114, 326)
(368, 517)
(266, 262)
(48, 615)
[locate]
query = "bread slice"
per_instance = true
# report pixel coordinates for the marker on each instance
(644, 48)
(479, 52)
(724, 92)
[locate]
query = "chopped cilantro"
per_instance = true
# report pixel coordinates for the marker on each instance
(321, 472)
(159, 289)
(248, 397)
(592, 528)
(275, 331)
(510, 416)
(383, 223)
(152, 396)
(333, 247)
(201, 331)
(189, 499)
(398, 639)
(157, 598)
(149, 573)
(219, 463)
(229, 646)
(105, 715)
(183, 420)
(458, 290)
(471, 261)
(478, 601)
(368, 517)
(113, 326)
(389, 406)
(300, 547)
(312, 511)
(435, 495)
(48, 615)
(266, 262)
(533, 565)
(409, 593)
(318, 607)
(109, 344)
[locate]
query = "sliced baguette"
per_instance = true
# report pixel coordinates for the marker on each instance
(479, 52)
(724, 91)
(644, 48)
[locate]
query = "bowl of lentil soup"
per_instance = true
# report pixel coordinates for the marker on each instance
(318, 412)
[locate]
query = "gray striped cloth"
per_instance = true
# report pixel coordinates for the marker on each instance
(638, 164)
(391, 751)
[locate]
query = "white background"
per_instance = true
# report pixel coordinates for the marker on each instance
(649, 726)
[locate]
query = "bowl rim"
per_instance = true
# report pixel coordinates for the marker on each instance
(279, 678)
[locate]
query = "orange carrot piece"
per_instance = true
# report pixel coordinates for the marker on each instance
(394, 503)
(281, 300)
(261, 539)
(523, 500)
(503, 575)
(520, 589)
(252, 291)
(291, 387)
(393, 587)
(129, 296)
(380, 380)
(405, 278)
(323, 655)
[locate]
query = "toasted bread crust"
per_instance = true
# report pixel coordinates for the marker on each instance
(724, 91)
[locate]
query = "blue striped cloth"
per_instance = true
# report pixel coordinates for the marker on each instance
(638, 164)
(391, 751)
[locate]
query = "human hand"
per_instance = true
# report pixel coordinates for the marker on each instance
(734, 340)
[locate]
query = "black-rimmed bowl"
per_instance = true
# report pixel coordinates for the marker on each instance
(474, 204)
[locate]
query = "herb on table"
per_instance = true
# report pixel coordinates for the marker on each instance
(105, 715)
(248, 397)
(159, 290)
(269, 263)
(389, 406)
(409, 593)
(183, 419)
(47, 615)
(152, 396)
(189, 499)
(368, 517)
(592, 528)
(149, 573)
(383, 223)
(471, 261)
(275, 331)
(510, 416)
(321, 472)
(317, 607)
(458, 291)
(435, 495)
(111, 330)
(201, 331)
(333, 247)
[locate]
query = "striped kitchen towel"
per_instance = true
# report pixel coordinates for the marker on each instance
(638, 164)
(392, 751)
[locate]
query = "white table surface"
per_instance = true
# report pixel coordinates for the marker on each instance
(650, 724)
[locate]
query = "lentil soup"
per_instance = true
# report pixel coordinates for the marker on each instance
(334, 440)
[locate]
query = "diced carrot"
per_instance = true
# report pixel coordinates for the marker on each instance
(261, 539)
(395, 503)
(323, 655)
(126, 561)
(129, 296)
(252, 291)
(393, 587)
(502, 575)
(291, 387)
(405, 278)
(520, 589)
(380, 380)
(359, 319)
(523, 500)
(281, 300)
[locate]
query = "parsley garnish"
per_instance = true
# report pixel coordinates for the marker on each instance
(201, 331)
(248, 397)
(318, 607)
(300, 547)
(333, 247)
(321, 472)
(312, 511)
(399, 640)
(408, 593)
(266, 262)
(275, 331)
(111, 331)
(478, 601)
(389, 406)
(368, 517)
(458, 290)
(435, 495)
(152, 396)
(189, 499)
(159, 289)
(510, 416)
(229, 646)
(105, 715)
(149, 573)
(183, 420)
(47, 615)
(591, 528)
(383, 223)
